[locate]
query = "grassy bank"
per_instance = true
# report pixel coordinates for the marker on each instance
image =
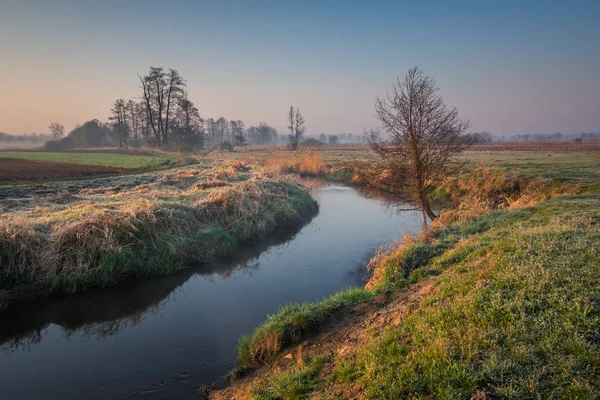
(401, 265)
(513, 313)
(103, 234)
(510, 309)
(290, 325)
(498, 298)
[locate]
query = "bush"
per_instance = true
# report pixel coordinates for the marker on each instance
(61, 144)
(312, 142)
(90, 134)
(225, 146)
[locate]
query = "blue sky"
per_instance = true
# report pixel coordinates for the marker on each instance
(511, 66)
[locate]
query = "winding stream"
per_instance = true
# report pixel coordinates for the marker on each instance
(161, 338)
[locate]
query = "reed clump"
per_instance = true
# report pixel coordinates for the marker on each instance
(305, 163)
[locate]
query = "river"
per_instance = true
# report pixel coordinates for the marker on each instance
(161, 338)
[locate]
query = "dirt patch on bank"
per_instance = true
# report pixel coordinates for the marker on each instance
(349, 329)
(15, 170)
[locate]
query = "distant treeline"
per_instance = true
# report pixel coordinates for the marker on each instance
(558, 137)
(30, 138)
(211, 133)
(95, 133)
(91, 134)
(163, 115)
(486, 137)
(337, 138)
(479, 137)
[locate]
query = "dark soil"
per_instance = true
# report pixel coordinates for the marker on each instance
(14, 170)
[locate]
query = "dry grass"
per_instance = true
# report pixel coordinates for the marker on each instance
(513, 310)
(107, 234)
(306, 163)
(290, 324)
(501, 189)
(453, 344)
(514, 313)
(473, 195)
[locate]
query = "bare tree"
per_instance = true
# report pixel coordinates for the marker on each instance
(189, 115)
(188, 125)
(238, 131)
(142, 119)
(418, 140)
(57, 130)
(119, 120)
(296, 127)
(175, 85)
(222, 129)
(262, 134)
(160, 91)
(211, 130)
(133, 117)
(265, 133)
(153, 95)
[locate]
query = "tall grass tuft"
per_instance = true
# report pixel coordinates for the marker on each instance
(306, 163)
(289, 325)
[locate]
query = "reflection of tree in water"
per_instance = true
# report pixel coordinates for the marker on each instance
(94, 314)
(97, 330)
(25, 342)
(387, 199)
(105, 312)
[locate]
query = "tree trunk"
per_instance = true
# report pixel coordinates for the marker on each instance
(425, 206)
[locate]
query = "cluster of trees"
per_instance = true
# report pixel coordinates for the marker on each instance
(56, 130)
(263, 134)
(557, 137)
(165, 115)
(91, 134)
(124, 130)
(479, 137)
(342, 138)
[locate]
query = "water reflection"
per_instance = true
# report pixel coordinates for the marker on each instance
(160, 338)
(105, 312)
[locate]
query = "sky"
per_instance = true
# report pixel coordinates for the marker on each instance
(512, 67)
